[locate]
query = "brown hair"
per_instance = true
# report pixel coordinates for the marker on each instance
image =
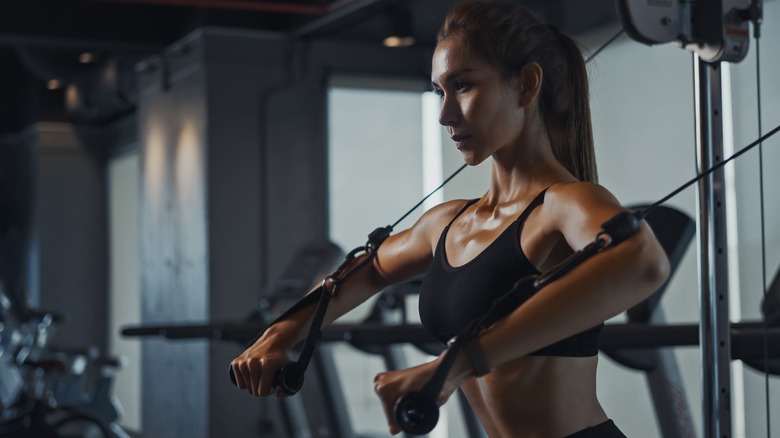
(508, 36)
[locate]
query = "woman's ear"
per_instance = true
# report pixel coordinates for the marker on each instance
(530, 83)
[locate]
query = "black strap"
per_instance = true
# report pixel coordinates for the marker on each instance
(468, 204)
(477, 359)
(539, 199)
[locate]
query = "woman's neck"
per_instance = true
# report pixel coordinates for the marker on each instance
(525, 167)
(524, 170)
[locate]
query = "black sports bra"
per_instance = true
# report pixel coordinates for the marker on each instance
(451, 297)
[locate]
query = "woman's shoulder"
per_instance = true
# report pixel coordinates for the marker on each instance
(571, 205)
(579, 193)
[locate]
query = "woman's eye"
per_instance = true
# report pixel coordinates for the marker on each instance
(439, 92)
(459, 85)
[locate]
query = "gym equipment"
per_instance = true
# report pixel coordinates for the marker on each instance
(48, 393)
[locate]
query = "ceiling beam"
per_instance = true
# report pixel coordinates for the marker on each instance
(340, 12)
(78, 44)
(236, 5)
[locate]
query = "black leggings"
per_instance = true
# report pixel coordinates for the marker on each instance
(606, 429)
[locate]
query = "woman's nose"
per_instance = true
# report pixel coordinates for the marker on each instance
(449, 115)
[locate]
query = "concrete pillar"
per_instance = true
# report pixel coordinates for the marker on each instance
(67, 252)
(232, 136)
(205, 246)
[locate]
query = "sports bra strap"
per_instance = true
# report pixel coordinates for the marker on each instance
(539, 199)
(468, 204)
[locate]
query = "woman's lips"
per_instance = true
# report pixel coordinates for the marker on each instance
(459, 138)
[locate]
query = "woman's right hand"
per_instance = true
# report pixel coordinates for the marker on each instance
(255, 368)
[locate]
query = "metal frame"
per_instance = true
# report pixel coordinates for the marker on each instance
(712, 256)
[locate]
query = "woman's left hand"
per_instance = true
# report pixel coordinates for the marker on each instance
(392, 385)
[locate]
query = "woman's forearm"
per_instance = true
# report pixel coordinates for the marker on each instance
(595, 291)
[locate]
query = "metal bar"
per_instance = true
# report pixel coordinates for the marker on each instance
(329, 394)
(712, 256)
(668, 395)
(292, 418)
(667, 391)
(747, 338)
(393, 354)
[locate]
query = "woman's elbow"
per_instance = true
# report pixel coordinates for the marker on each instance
(654, 268)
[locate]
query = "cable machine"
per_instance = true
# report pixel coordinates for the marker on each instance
(715, 31)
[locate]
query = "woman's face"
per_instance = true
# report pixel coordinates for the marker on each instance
(481, 110)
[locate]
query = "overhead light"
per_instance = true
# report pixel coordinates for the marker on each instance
(400, 24)
(53, 84)
(87, 58)
(72, 98)
(398, 41)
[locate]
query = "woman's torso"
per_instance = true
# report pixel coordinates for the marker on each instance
(536, 395)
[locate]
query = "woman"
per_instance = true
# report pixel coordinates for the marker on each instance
(513, 90)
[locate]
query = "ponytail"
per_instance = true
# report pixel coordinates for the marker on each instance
(571, 130)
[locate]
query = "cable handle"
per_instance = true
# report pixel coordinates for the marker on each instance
(289, 378)
(417, 412)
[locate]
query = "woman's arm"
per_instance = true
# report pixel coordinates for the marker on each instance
(400, 257)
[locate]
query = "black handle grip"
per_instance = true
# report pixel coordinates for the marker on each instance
(417, 413)
(232, 375)
(289, 378)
